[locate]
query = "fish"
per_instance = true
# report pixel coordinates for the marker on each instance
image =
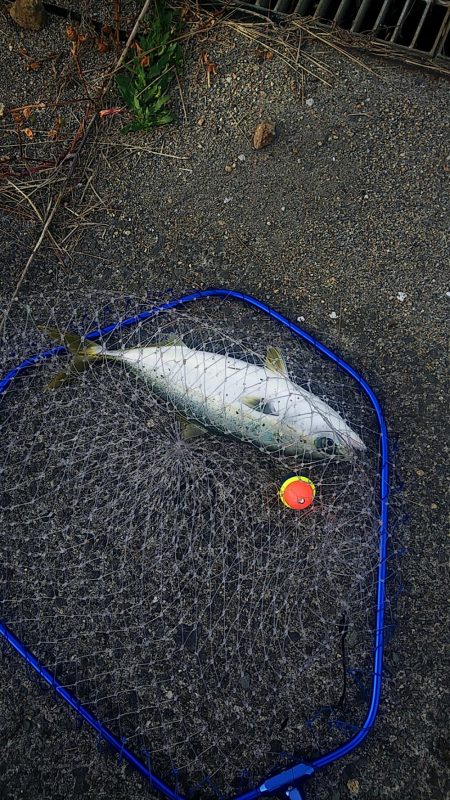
(220, 394)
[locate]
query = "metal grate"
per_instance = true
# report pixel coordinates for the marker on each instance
(420, 27)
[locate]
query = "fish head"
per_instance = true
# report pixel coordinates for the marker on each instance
(323, 431)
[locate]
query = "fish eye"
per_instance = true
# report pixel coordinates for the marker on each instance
(326, 444)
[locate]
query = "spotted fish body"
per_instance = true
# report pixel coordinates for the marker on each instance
(256, 403)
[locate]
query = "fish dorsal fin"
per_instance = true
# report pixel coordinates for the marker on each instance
(275, 361)
(171, 341)
(259, 404)
(190, 430)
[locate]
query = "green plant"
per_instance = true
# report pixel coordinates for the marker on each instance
(144, 84)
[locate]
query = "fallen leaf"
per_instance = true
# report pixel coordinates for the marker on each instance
(145, 61)
(110, 112)
(71, 33)
(34, 65)
(102, 46)
(16, 115)
(28, 132)
(27, 111)
(264, 54)
(210, 68)
(83, 37)
(54, 132)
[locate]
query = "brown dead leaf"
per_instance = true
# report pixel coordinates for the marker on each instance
(110, 112)
(145, 61)
(71, 33)
(28, 132)
(102, 46)
(27, 111)
(22, 52)
(34, 65)
(264, 54)
(17, 116)
(54, 132)
(210, 68)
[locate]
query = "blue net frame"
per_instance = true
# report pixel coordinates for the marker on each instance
(287, 780)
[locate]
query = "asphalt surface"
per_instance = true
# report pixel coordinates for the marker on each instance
(343, 221)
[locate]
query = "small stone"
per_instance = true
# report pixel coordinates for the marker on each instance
(300, 319)
(434, 506)
(309, 102)
(201, 121)
(227, 200)
(2, 109)
(420, 473)
(333, 315)
(353, 786)
(245, 681)
(228, 168)
(401, 296)
(264, 135)
(241, 157)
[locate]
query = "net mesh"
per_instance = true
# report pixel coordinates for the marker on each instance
(162, 580)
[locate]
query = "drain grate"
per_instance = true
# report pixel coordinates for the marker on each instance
(420, 27)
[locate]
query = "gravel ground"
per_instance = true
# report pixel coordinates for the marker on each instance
(343, 220)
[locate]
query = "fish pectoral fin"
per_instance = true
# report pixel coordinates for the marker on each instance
(275, 361)
(190, 430)
(259, 404)
(171, 341)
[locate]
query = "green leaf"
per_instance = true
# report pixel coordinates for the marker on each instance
(144, 89)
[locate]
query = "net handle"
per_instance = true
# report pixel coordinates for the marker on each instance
(287, 778)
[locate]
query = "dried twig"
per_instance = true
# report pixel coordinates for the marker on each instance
(52, 212)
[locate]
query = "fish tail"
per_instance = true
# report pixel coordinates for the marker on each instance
(83, 351)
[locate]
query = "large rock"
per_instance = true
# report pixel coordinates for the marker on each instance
(28, 14)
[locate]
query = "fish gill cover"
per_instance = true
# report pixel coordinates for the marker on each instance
(158, 576)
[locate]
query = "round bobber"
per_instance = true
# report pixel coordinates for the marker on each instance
(297, 492)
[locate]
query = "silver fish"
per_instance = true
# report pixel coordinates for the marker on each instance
(227, 395)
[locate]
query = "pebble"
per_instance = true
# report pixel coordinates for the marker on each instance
(245, 681)
(309, 102)
(353, 787)
(401, 296)
(333, 315)
(264, 135)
